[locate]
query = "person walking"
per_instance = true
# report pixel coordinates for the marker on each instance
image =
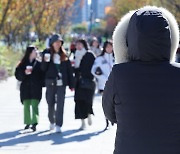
(85, 86)
(142, 92)
(102, 67)
(58, 75)
(29, 73)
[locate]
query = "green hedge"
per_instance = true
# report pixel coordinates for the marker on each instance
(9, 59)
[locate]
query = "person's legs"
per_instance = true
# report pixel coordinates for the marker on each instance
(89, 120)
(83, 124)
(50, 97)
(107, 124)
(60, 105)
(35, 111)
(27, 114)
(81, 110)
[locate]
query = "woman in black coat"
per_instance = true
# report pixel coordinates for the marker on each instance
(58, 75)
(85, 86)
(31, 77)
(142, 93)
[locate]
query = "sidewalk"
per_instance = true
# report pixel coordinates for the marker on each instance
(91, 141)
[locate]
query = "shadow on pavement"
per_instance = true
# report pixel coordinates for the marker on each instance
(9, 134)
(14, 138)
(75, 138)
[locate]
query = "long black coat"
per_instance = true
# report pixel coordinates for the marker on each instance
(85, 72)
(51, 71)
(142, 95)
(31, 86)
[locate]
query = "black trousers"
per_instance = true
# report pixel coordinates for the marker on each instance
(55, 95)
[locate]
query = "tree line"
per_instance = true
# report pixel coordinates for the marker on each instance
(121, 7)
(18, 18)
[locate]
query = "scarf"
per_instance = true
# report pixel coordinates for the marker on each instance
(56, 58)
(78, 57)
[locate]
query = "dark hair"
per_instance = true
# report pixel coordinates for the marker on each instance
(62, 52)
(92, 41)
(84, 43)
(27, 54)
(105, 45)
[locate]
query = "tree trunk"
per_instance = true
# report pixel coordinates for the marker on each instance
(5, 14)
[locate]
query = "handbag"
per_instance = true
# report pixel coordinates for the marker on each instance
(86, 84)
(98, 71)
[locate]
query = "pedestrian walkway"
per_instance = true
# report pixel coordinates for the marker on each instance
(91, 141)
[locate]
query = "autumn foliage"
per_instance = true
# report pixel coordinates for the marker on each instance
(121, 7)
(20, 17)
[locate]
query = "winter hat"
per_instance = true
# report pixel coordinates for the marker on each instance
(149, 33)
(55, 38)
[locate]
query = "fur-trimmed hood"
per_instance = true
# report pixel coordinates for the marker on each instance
(131, 36)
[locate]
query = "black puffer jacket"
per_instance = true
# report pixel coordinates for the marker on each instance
(51, 71)
(31, 86)
(142, 95)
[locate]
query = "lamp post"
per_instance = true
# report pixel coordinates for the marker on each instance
(91, 17)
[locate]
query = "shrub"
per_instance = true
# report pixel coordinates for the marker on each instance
(8, 60)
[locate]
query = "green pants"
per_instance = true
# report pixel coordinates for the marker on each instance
(31, 105)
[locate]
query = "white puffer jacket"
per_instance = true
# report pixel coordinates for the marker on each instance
(105, 63)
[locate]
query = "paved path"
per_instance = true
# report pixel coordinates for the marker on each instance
(91, 141)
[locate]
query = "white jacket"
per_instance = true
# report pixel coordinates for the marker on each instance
(105, 63)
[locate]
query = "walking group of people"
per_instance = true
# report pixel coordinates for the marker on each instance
(55, 72)
(141, 94)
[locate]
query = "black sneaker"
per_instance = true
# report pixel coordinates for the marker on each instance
(26, 127)
(34, 127)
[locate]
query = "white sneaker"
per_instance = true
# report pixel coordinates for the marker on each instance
(51, 127)
(58, 129)
(89, 120)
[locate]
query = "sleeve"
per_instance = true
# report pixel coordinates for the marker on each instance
(20, 73)
(44, 65)
(91, 60)
(94, 67)
(71, 80)
(87, 65)
(108, 100)
(41, 75)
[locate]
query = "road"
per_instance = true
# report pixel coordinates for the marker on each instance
(93, 140)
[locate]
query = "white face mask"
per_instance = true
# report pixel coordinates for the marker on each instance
(56, 58)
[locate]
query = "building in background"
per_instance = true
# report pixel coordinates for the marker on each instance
(99, 6)
(82, 10)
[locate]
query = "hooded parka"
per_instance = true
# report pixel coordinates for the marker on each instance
(142, 92)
